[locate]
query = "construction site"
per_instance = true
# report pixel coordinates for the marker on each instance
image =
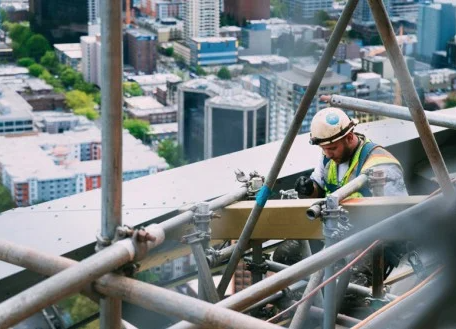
(372, 262)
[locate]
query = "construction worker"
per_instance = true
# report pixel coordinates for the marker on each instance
(345, 155)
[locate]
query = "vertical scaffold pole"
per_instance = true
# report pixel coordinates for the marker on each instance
(411, 97)
(111, 114)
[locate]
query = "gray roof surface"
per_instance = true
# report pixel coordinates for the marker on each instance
(66, 224)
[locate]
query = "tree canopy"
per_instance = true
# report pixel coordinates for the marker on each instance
(451, 100)
(89, 112)
(36, 46)
(78, 99)
(132, 89)
(279, 9)
(6, 201)
(224, 73)
(26, 62)
(50, 61)
(138, 128)
(36, 70)
(171, 152)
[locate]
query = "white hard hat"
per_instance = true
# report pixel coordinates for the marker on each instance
(330, 125)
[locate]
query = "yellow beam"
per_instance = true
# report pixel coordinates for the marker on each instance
(286, 219)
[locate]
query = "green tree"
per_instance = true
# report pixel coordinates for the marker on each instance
(3, 16)
(279, 9)
(169, 51)
(132, 89)
(36, 46)
(320, 17)
(200, 71)
(36, 70)
(68, 77)
(97, 97)
(19, 33)
(171, 152)
(224, 73)
(6, 201)
(52, 80)
(79, 307)
(451, 100)
(375, 41)
(89, 112)
(86, 87)
(78, 99)
(26, 62)
(50, 61)
(138, 128)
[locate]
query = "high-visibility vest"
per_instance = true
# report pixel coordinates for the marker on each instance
(367, 155)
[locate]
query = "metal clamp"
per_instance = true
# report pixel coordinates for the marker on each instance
(257, 267)
(417, 265)
(335, 220)
(288, 194)
(376, 180)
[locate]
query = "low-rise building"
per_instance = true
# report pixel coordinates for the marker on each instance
(230, 32)
(59, 122)
(166, 29)
(161, 131)
(182, 50)
(149, 109)
(49, 166)
(15, 113)
(440, 80)
(213, 51)
(69, 54)
(149, 83)
(272, 62)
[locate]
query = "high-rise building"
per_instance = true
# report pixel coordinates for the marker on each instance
(243, 10)
(436, 26)
(94, 11)
(286, 89)
(306, 8)
(219, 117)
(256, 39)
(141, 48)
(202, 19)
(61, 21)
(91, 59)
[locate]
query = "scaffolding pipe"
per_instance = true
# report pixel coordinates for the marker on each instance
(342, 193)
(352, 287)
(295, 127)
(394, 227)
(303, 310)
(108, 259)
(411, 97)
(388, 110)
(221, 202)
(145, 295)
(111, 143)
(69, 281)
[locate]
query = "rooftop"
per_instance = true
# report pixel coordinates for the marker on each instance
(214, 39)
(302, 74)
(13, 106)
(155, 79)
(230, 29)
(271, 59)
(67, 46)
(6, 70)
(143, 103)
(164, 128)
(31, 156)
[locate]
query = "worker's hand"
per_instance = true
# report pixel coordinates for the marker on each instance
(304, 186)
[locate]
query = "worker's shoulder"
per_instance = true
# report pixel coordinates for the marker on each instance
(380, 150)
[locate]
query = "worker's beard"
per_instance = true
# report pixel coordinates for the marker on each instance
(346, 154)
